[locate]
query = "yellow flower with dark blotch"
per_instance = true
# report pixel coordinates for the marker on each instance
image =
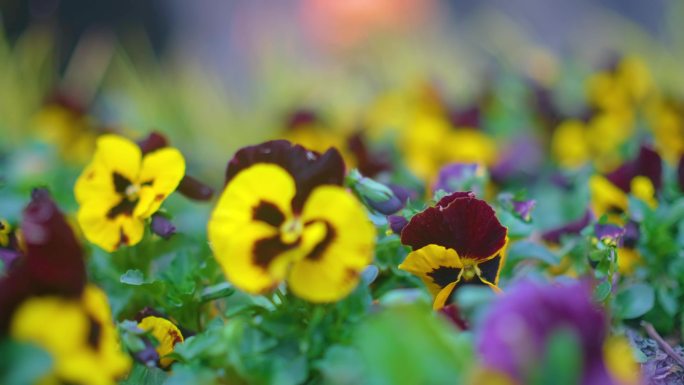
(121, 188)
(166, 334)
(284, 216)
(457, 242)
(641, 177)
(78, 334)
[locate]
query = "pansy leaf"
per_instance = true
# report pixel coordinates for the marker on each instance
(667, 300)
(143, 375)
(220, 290)
(22, 364)
(602, 291)
(531, 250)
(635, 301)
(133, 277)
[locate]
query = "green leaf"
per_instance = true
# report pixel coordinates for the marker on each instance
(142, 375)
(531, 250)
(133, 277)
(635, 301)
(667, 300)
(220, 290)
(602, 290)
(23, 364)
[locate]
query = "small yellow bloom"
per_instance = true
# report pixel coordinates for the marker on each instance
(569, 144)
(166, 333)
(260, 240)
(620, 361)
(72, 132)
(121, 188)
(606, 198)
(78, 334)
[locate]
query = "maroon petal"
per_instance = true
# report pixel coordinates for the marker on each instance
(194, 189)
(444, 202)
(301, 117)
(308, 168)
(53, 261)
(648, 163)
(574, 227)
(153, 142)
(452, 314)
(53, 254)
(465, 224)
(369, 164)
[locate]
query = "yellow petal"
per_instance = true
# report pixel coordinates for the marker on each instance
(166, 333)
(233, 230)
(642, 188)
(119, 154)
(443, 295)
(337, 244)
(606, 197)
(164, 168)
(95, 184)
(106, 232)
(426, 260)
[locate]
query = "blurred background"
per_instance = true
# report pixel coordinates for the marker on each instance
(216, 75)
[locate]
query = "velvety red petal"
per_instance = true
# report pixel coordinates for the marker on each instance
(461, 222)
(53, 254)
(308, 168)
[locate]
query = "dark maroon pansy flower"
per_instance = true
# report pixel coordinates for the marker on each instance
(369, 163)
(458, 221)
(190, 187)
(53, 260)
(516, 331)
(648, 164)
(309, 169)
(571, 228)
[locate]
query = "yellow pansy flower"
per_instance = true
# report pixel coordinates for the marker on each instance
(121, 188)
(283, 222)
(79, 334)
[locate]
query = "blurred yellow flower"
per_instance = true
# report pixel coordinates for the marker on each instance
(71, 131)
(78, 334)
(620, 361)
(121, 188)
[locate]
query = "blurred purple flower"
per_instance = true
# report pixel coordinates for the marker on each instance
(517, 329)
(680, 173)
(456, 177)
(521, 159)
